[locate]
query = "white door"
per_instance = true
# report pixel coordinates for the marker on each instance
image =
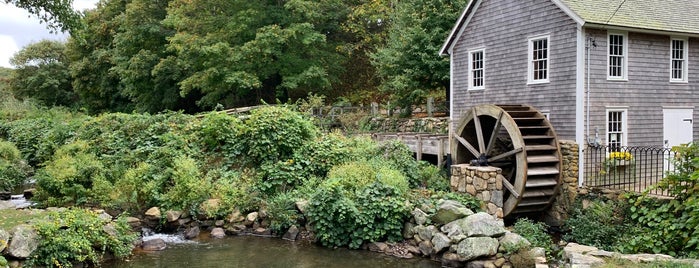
(677, 129)
(677, 126)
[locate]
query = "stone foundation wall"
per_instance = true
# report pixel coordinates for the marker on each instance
(485, 183)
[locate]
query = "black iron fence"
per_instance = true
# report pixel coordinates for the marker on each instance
(627, 168)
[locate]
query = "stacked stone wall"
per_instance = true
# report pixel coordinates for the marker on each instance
(485, 183)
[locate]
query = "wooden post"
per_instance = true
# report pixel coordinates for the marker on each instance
(374, 109)
(440, 153)
(430, 106)
(419, 147)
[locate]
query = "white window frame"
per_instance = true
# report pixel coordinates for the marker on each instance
(685, 58)
(624, 127)
(624, 55)
(530, 60)
(471, 77)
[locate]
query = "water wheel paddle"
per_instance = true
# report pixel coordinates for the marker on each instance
(519, 140)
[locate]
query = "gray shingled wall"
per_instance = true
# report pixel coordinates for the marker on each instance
(503, 29)
(648, 88)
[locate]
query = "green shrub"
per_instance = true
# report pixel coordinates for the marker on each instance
(68, 178)
(535, 233)
(13, 170)
(219, 134)
(282, 212)
(668, 226)
(599, 225)
(235, 190)
(360, 202)
(80, 236)
(273, 133)
(399, 156)
(188, 188)
(427, 200)
(432, 177)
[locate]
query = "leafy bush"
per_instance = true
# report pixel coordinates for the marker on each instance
(235, 190)
(272, 133)
(398, 155)
(38, 138)
(282, 212)
(68, 178)
(427, 200)
(669, 226)
(188, 188)
(79, 235)
(535, 233)
(13, 170)
(599, 225)
(359, 202)
(219, 134)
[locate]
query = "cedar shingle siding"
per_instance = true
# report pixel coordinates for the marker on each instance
(503, 28)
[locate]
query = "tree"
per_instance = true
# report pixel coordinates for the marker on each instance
(59, 15)
(92, 58)
(41, 72)
(409, 64)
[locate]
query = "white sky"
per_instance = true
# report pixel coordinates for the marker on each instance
(18, 28)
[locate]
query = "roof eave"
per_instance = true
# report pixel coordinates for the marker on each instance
(449, 42)
(640, 30)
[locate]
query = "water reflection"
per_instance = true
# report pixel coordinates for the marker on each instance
(263, 252)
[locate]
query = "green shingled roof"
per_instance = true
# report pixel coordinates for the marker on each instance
(663, 15)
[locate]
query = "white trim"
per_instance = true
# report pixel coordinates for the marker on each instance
(685, 57)
(530, 59)
(470, 70)
(625, 54)
(637, 30)
(624, 124)
(580, 21)
(451, 90)
(580, 102)
(459, 27)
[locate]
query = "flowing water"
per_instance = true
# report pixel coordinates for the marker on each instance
(249, 251)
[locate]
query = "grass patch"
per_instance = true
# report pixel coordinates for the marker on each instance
(9, 218)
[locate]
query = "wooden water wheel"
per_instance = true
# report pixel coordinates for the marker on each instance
(519, 140)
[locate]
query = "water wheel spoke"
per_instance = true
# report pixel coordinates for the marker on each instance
(494, 135)
(479, 131)
(468, 145)
(506, 154)
(506, 183)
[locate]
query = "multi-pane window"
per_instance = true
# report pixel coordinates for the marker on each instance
(678, 60)
(616, 129)
(476, 69)
(617, 56)
(539, 60)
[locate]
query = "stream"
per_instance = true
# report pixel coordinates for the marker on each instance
(250, 251)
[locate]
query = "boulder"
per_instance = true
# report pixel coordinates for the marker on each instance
(449, 210)
(426, 233)
(419, 216)
(262, 231)
(291, 234)
(236, 229)
(451, 259)
(173, 215)
(111, 230)
(218, 233)
(7, 205)
(262, 214)
(440, 242)
(5, 195)
(28, 193)
(378, 247)
(235, 217)
(425, 248)
(476, 247)
(302, 205)
(153, 213)
(477, 225)
(133, 222)
(579, 260)
(218, 223)
(4, 239)
(192, 232)
(251, 218)
(511, 241)
(24, 241)
(408, 228)
(156, 244)
(577, 248)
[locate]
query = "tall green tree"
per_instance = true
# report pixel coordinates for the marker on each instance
(91, 55)
(59, 15)
(139, 46)
(41, 72)
(409, 64)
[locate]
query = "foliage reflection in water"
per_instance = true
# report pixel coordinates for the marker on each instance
(249, 251)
